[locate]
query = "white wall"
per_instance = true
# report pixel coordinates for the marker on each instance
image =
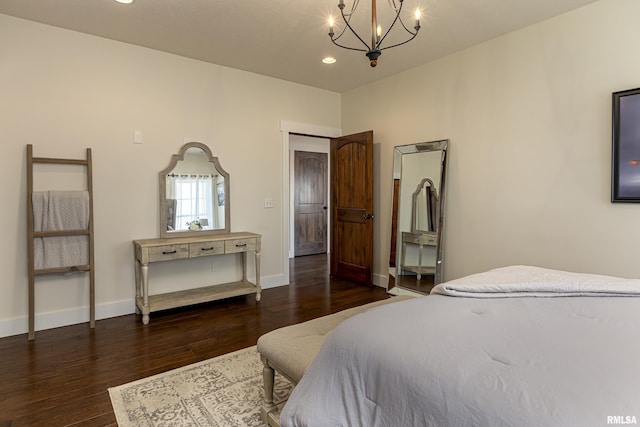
(64, 91)
(529, 119)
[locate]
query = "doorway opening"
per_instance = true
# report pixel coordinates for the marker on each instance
(301, 137)
(308, 195)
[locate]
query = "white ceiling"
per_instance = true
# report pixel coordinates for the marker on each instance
(288, 38)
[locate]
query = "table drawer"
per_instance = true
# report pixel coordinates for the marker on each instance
(206, 248)
(239, 245)
(427, 238)
(168, 252)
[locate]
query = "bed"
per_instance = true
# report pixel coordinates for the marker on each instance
(515, 346)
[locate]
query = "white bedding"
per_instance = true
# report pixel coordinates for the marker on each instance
(522, 280)
(443, 361)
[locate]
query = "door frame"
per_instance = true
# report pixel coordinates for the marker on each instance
(287, 128)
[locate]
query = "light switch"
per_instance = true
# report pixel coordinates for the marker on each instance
(268, 203)
(137, 137)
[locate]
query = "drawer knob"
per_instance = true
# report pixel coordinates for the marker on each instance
(168, 252)
(207, 249)
(241, 245)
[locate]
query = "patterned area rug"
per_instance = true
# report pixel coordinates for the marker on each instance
(223, 391)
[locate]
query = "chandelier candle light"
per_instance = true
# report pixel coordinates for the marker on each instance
(373, 50)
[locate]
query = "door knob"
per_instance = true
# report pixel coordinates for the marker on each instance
(368, 216)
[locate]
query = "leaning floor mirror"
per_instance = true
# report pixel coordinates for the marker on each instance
(417, 217)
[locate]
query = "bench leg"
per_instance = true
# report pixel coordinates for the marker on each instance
(268, 376)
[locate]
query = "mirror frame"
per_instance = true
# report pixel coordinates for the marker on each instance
(175, 158)
(443, 146)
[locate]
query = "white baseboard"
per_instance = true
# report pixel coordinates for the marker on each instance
(267, 282)
(381, 280)
(72, 316)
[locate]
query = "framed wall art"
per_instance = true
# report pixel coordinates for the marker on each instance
(625, 158)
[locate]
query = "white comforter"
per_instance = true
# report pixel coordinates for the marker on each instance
(442, 361)
(521, 280)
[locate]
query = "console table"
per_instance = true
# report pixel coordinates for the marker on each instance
(421, 239)
(148, 251)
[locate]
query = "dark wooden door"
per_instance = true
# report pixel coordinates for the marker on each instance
(352, 207)
(310, 203)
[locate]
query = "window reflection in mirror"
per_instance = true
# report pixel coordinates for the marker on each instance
(194, 194)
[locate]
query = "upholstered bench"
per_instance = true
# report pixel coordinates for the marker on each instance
(291, 349)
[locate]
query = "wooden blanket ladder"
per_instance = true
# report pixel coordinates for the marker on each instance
(31, 234)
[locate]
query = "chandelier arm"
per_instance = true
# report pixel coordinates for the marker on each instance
(398, 18)
(405, 27)
(400, 44)
(354, 6)
(339, 35)
(347, 47)
(392, 3)
(346, 21)
(390, 27)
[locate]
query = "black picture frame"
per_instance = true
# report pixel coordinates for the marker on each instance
(625, 155)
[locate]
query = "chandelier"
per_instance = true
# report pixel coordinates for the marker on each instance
(374, 49)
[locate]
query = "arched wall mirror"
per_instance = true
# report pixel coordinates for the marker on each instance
(417, 217)
(194, 194)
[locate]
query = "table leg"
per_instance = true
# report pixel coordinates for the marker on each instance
(145, 293)
(268, 378)
(419, 262)
(136, 268)
(259, 290)
(402, 255)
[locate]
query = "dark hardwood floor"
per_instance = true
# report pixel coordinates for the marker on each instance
(61, 378)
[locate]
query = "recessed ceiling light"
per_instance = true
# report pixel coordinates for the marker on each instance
(329, 60)
(125, 1)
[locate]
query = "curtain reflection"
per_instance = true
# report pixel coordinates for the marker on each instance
(195, 208)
